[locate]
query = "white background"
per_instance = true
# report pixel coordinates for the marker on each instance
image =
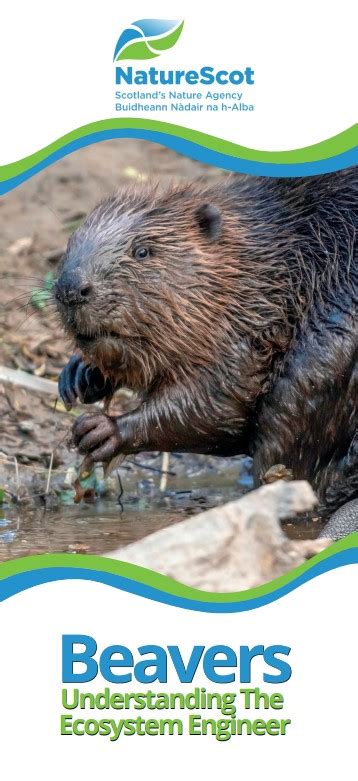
(318, 621)
(57, 71)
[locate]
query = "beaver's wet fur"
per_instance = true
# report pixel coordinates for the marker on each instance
(232, 310)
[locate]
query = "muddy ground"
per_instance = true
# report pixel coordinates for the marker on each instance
(37, 510)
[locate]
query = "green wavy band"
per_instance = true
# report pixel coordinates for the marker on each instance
(331, 147)
(162, 582)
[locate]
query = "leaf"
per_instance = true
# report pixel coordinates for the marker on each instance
(49, 280)
(88, 495)
(155, 36)
(39, 298)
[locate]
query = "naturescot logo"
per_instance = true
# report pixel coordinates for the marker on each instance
(147, 38)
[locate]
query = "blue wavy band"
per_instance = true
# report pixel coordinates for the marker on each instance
(195, 151)
(15, 584)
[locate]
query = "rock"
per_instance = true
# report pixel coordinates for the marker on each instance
(233, 547)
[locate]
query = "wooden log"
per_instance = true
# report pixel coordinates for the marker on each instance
(21, 379)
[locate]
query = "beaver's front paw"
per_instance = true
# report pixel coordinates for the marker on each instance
(98, 436)
(78, 380)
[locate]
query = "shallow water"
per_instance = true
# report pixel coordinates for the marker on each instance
(77, 530)
(106, 526)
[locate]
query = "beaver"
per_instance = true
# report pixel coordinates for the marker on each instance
(231, 309)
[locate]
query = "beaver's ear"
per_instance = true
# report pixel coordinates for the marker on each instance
(209, 220)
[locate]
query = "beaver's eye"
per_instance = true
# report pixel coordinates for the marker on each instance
(141, 253)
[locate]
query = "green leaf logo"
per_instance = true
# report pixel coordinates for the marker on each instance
(147, 38)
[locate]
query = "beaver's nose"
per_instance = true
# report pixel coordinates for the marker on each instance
(72, 290)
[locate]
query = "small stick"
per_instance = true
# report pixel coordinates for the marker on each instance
(49, 474)
(157, 469)
(121, 491)
(30, 382)
(13, 460)
(165, 472)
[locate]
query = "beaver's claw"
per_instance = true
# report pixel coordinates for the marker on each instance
(98, 436)
(78, 380)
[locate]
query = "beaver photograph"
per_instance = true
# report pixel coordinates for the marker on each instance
(232, 311)
(208, 323)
